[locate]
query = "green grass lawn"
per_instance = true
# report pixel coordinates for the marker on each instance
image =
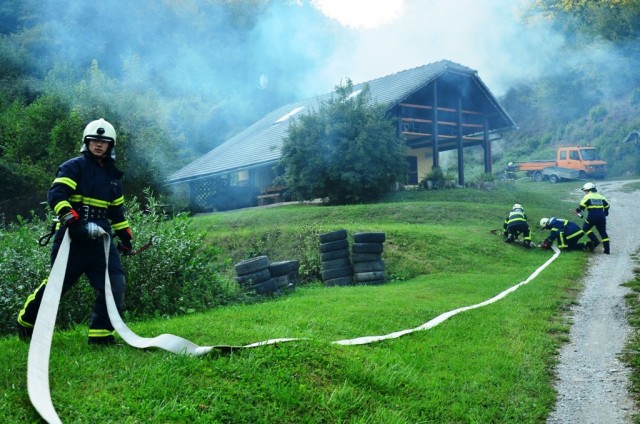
(491, 364)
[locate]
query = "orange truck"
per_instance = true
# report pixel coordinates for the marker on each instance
(571, 163)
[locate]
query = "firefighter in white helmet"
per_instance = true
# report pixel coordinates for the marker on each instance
(597, 208)
(86, 192)
(516, 224)
(566, 233)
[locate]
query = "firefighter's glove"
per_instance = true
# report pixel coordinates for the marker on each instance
(546, 244)
(70, 219)
(125, 246)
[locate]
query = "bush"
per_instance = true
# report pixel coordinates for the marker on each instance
(346, 151)
(437, 178)
(174, 276)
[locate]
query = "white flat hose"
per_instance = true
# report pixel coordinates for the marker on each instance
(40, 348)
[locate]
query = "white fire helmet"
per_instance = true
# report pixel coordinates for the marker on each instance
(544, 222)
(588, 187)
(99, 130)
(517, 206)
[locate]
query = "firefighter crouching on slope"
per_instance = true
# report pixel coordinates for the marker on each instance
(567, 234)
(597, 208)
(86, 192)
(516, 224)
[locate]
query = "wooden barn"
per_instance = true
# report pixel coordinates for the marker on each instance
(439, 107)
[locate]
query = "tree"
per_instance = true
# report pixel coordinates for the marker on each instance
(347, 150)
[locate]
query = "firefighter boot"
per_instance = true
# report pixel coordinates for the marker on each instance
(510, 238)
(102, 341)
(527, 244)
(605, 244)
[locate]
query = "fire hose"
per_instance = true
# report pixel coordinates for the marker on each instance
(40, 347)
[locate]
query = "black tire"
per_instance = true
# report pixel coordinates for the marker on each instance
(277, 269)
(553, 178)
(334, 245)
(335, 263)
(368, 266)
(538, 177)
(255, 278)
(366, 257)
(367, 247)
(369, 237)
(368, 276)
(345, 271)
(334, 254)
(342, 281)
(281, 281)
(252, 265)
(333, 236)
(267, 287)
(372, 282)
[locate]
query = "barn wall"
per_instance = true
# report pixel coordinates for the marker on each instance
(424, 158)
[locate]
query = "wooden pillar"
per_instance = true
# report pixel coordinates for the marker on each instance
(460, 144)
(436, 146)
(488, 169)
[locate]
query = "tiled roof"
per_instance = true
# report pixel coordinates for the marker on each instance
(261, 142)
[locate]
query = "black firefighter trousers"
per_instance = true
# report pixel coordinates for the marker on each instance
(85, 257)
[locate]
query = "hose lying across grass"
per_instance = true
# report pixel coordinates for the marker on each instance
(40, 347)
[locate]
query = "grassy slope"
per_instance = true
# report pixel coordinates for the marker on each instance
(486, 365)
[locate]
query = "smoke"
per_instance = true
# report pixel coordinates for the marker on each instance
(231, 62)
(486, 35)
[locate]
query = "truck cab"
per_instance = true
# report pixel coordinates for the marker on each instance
(586, 160)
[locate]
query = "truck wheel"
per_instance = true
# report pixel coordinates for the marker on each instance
(538, 177)
(583, 175)
(553, 178)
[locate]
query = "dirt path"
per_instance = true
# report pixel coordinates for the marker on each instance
(593, 384)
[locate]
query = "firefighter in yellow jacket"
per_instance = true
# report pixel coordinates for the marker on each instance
(515, 224)
(87, 191)
(597, 208)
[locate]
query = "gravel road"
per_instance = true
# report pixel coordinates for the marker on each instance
(593, 384)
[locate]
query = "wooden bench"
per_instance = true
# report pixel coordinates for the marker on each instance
(270, 195)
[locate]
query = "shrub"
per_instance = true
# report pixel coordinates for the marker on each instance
(175, 276)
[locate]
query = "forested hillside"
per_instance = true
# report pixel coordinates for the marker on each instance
(592, 96)
(177, 78)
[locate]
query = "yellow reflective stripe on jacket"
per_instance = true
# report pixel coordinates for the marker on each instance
(120, 225)
(66, 181)
(516, 217)
(95, 202)
(60, 205)
(117, 202)
(89, 201)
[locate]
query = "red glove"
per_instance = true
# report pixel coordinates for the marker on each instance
(125, 246)
(68, 217)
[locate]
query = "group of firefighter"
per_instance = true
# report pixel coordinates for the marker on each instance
(565, 233)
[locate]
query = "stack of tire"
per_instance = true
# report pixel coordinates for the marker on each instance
(254, 275)
(336, 261)
(366, 254)
(285, 274)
